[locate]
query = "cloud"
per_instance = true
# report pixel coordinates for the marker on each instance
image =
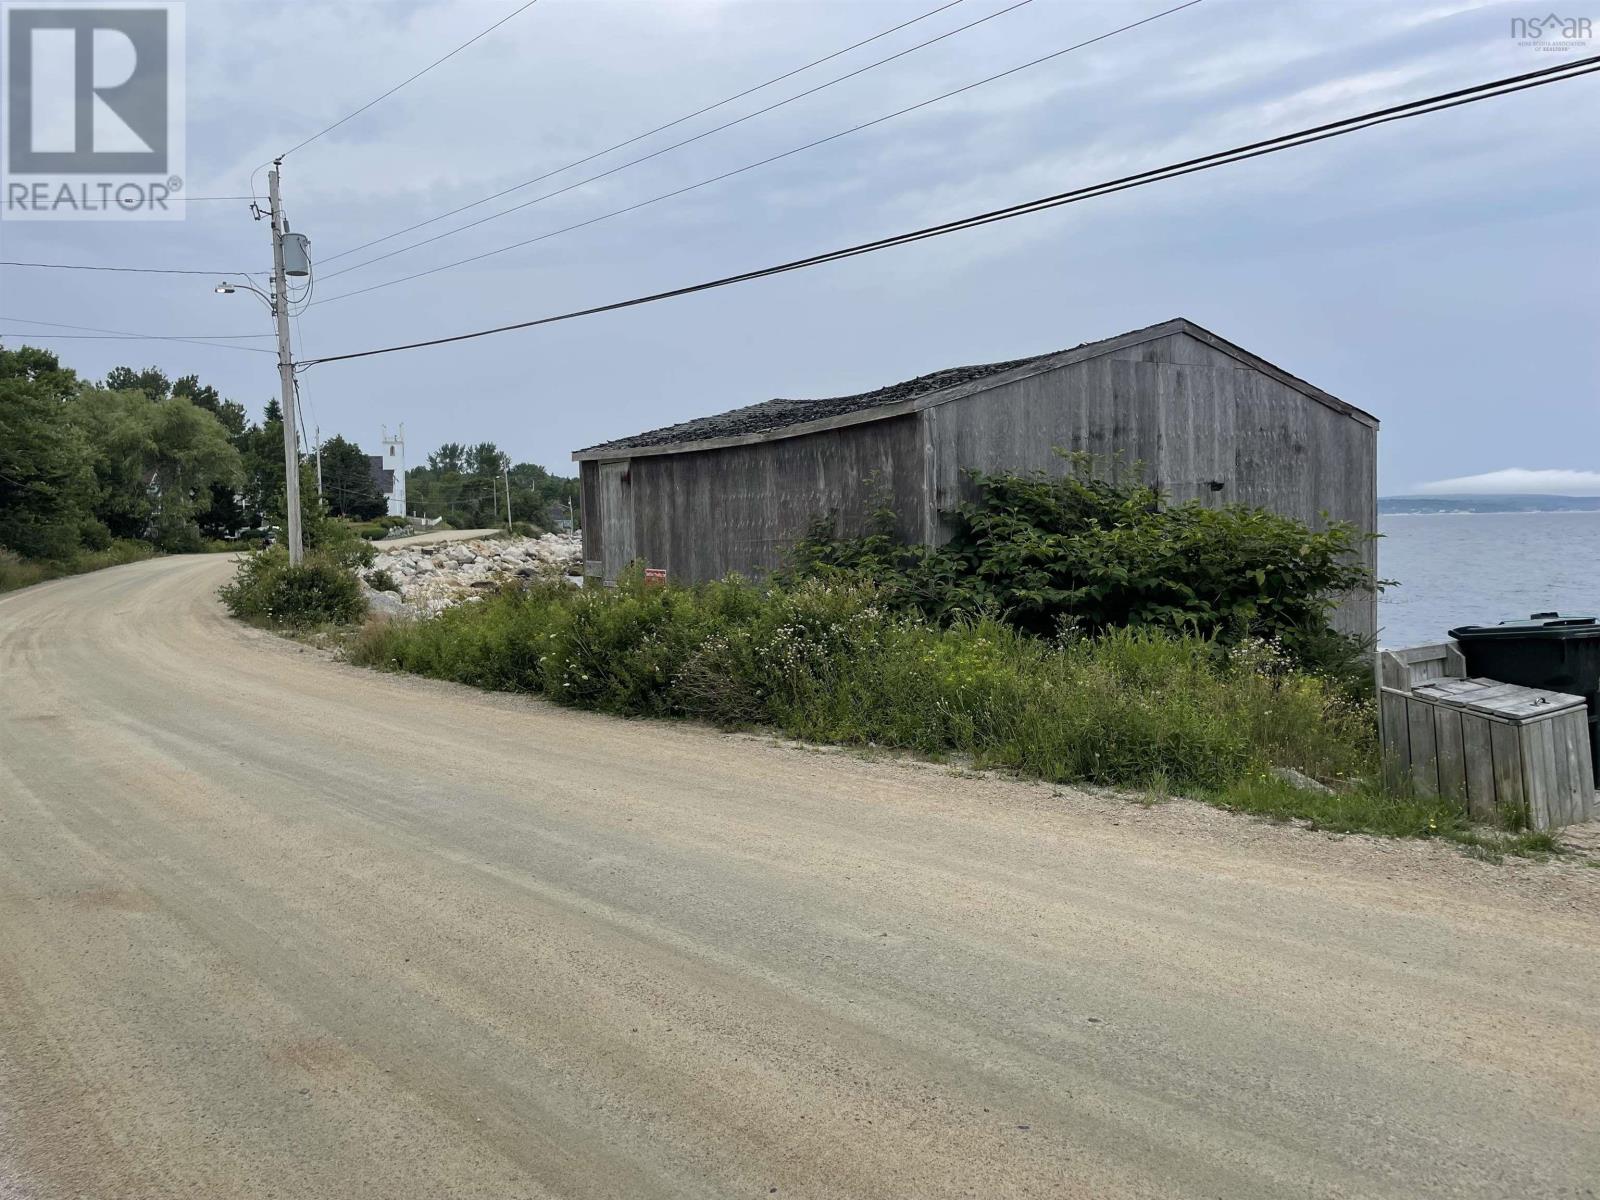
(1517, 480)
(1468, 223)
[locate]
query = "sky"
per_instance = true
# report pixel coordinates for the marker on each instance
(1439, 273)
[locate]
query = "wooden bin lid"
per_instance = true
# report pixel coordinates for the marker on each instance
(1501, 701)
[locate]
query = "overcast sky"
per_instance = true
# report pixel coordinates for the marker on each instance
(1440, 273)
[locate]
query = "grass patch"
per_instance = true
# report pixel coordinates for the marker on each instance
(828, 662)
(1365, 808)
(17, 572)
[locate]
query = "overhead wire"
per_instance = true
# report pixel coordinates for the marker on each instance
(215, 337)
(29, 336)
(55, 266)
(737, 170)
(178, 199)
(1423, 106)
(408, 80)
(94, 333)
(633, 162)
(639, 137)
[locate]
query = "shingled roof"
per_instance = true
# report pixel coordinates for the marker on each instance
(756, 422)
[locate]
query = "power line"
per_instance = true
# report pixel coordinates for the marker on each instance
(172, 199)
(516, 187)
(94, 333)
(50, 266)
(748, 166)
(411, 79)
(1317, 133)
(215, 337)
(26, 336)
(29, 336)
(816, 62)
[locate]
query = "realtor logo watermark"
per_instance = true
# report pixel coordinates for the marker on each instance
(1552, 32)
(92, 111)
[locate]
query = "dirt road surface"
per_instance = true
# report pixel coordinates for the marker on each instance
(275, 927)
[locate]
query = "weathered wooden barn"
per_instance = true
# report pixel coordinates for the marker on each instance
(1207, 419)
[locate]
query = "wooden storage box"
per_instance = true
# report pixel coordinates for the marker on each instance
(1507, 753)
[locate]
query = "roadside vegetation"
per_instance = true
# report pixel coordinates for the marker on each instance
(1097, 550)
(1073, 630)
(322, 591)
(18, 572)
(89, 471)
(831, 661)
(95, 474)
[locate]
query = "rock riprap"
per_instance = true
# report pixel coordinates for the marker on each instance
(432, 578)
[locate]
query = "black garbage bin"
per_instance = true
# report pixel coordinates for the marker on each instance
(1548, 650)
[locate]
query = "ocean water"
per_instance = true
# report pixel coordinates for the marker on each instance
(1479, 568)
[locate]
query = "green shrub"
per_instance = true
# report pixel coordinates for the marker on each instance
(1047, 554)
(266, 589)
(335, 541)
(381, 581)
(176, 535)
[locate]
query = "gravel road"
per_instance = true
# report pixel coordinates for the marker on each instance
(275, 927)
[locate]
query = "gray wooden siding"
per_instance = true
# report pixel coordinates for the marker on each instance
(1202, 421)
(589, 510)
(703, 514)
(616, 518)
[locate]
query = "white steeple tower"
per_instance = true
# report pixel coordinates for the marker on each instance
(394, 459)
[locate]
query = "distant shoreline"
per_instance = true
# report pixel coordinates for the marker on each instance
(1443, 506)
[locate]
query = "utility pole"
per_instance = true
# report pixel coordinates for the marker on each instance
(280, 309)
(505, 473)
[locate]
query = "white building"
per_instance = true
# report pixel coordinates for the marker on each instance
(394, 463)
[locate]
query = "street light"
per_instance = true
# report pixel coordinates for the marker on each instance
(228, 288)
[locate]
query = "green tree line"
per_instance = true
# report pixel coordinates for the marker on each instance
(142, 458)
(137, 456)
(171, 464)
(466, 485)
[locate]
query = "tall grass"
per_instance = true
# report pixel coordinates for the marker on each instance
(830, 663)
(17, 572)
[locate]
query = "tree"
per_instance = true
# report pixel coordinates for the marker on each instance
(261, 459)
(484, 459)
(152, 381)
(449, 457)
(465, 486)
(347, 482)
(230, 413)
(156, 463)
(139, 457)
(46, 483)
